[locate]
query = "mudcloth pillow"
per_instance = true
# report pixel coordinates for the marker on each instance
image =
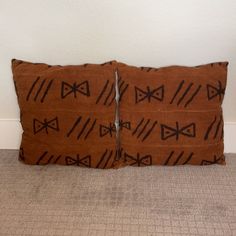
(172, 115)
(67, 113)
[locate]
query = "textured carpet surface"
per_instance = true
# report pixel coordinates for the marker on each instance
(67, 200)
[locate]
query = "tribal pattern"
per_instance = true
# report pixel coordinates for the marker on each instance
(97, 116)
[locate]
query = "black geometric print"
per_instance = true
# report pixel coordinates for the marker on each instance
(83, 128)
(49, 158)
(141, 95)
(67, 89)
(104, 130)
(178, 158)
(215, 160)
(141, 127)
(148, 69)
(122, 88)
(38, 89)
(138, 160)
(110, 96)
(103, 64)
(185, 93)
(188, 130)
(105, 158)
(57, 159)
(124, 125)
(45, 125)
(213, 91)
(84, 161)
(41, 158)
(21, 154)
(217, 128)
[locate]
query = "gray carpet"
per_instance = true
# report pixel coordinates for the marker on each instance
(63, 200)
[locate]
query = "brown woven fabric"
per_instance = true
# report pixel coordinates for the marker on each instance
(172, 115)
(67, 113)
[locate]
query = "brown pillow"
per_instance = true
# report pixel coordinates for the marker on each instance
(67, 113)
(172, 115)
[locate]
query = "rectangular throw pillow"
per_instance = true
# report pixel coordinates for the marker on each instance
(172, 115)
(67, 113)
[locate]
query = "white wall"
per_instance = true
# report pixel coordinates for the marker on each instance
(140, 32)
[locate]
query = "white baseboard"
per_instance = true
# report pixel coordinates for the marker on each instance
(10, 135)
(230, 137)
